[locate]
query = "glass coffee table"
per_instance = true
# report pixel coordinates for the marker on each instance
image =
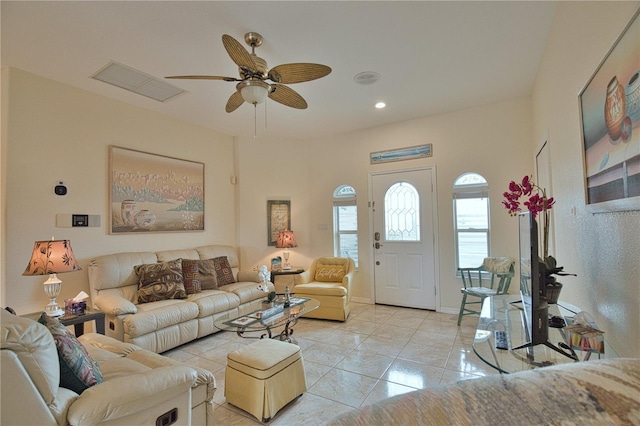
(268, 321)
(503, 313)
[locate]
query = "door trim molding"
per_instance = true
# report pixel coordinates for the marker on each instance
(434, 218)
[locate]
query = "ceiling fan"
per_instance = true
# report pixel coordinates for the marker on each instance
(254, 73)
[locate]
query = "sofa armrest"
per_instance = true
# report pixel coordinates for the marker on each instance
(114, 305)
(108, 343)
(127, 395)
(248, 276)
(347, 280)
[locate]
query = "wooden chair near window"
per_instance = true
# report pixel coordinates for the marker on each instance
(492, 278)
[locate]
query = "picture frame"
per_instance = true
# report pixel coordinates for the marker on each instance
(278, 219)
(408, 153)
(151, 193)
(610, 126)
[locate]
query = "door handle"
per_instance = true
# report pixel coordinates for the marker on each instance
(377, 245)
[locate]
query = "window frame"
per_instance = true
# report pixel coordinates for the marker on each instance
(342, 198)
(479, 190)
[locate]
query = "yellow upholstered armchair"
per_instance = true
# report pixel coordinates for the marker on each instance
(329, 281)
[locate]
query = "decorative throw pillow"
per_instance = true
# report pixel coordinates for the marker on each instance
(191, 276)
(160, 281)
(78, 369)
(207, 272)
(329, 273)
(224, 273)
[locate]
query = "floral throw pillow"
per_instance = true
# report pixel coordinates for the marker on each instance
(78, 369)
(224, 273)
(160, 281)
(191, 276)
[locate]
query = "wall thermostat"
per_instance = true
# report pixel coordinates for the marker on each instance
(60, 188)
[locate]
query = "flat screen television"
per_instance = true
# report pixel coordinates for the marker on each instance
(532, 289)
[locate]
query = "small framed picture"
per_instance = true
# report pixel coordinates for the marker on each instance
(278, 219)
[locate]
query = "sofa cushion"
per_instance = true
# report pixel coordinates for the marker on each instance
(224, 273)
(33, 345)
(78, 370)
(212, 302)
(160, 281)
(191, 276)
(320, 289)
(329, 273)
(207, 272)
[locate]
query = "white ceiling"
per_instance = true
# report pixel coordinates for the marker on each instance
(433, 57)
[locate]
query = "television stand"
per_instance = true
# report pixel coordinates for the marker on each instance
(502, 313)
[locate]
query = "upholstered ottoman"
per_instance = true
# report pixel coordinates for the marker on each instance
(264, 376)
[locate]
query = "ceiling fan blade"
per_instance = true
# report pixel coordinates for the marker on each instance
(287, 96)
(235, 100)
(298, 72)
(238, 54)
(203, 77)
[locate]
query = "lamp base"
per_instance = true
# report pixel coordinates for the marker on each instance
(53, 311)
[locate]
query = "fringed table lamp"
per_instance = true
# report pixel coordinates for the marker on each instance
(286, 240)
(51, 258)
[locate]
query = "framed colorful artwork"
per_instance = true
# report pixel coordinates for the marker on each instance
(154, 193)
(610, 114)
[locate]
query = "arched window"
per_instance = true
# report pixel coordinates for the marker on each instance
(471, 219)
(402, 212)
(345, 223)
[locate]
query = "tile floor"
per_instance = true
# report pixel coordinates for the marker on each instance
(379, 352)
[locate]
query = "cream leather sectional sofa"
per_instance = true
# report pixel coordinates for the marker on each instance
(165, 324)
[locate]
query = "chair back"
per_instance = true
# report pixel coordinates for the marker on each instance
(500, 268)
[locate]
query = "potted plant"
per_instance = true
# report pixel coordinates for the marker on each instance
(538, 204)
(271, 297)
(548, 269)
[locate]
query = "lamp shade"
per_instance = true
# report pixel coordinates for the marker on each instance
(52, 257)
(254, 91)
(286, 239)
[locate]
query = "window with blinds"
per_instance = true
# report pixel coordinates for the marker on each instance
(471, 219)
(345, 223)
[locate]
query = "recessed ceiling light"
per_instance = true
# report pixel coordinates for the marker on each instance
(380, 105)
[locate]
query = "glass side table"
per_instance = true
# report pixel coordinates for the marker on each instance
(502, 313)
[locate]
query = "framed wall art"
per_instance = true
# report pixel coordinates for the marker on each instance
(610, 114)
(154, 193)
(278, 219)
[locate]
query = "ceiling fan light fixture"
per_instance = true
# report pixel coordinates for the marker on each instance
(253, 91)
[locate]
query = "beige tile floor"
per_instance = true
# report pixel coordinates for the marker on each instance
(379, 352)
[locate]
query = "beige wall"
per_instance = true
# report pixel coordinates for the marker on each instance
(474, 140)
(603, 249)
(56, 132)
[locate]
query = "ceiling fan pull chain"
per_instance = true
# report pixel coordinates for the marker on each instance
(255, 121)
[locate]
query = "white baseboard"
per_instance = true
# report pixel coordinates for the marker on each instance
(365, 300)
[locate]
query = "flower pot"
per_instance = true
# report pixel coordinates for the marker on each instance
(553, 293)
(267, 305)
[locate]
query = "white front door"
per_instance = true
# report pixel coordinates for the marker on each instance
(403, 238)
